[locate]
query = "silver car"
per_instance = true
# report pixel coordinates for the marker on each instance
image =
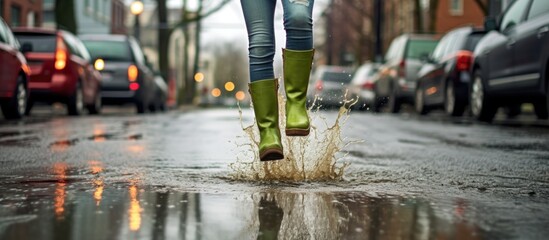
(330, 85)
(362, 86)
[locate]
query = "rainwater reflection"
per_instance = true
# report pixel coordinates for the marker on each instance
(130, 211)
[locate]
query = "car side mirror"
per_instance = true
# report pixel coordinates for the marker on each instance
(490, 23)
(27, 47)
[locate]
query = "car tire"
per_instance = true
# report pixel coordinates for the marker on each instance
(482, 107)
(454, 99)
(394, 102)
(541, 107)
(141, 106)
(16, 107)
(162, 107)
(95, 107)
(419, 102)
(75, 103)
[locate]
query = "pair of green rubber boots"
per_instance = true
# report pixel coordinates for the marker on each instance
(297, 67)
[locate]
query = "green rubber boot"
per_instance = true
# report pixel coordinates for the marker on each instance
(265, 101)
(297, 68)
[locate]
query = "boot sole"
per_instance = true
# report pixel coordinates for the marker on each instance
(271, 155)
(297, 132)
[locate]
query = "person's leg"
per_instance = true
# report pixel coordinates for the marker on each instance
(298, 59)
(298, 23)
(259, 16)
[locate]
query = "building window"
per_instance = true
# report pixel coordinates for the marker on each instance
(456, 7)
(15, 16)
(30, 19)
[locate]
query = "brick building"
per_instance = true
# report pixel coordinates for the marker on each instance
(21, 12)
(350, 28)
(457, 13)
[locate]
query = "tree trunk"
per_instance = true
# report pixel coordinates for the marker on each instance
(185, 65)
(163, 38)
(433, 8)
(419, 17)
(65, 17)
(196, 61)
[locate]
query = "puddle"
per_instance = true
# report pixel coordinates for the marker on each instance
(133, 212)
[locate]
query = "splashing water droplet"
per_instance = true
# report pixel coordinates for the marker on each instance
(315, 157)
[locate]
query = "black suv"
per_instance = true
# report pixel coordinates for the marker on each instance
(511, 61)
(444, 79)
(127, 77)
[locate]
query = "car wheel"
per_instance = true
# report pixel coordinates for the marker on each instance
(162, 107)
(141, 106)
(482, 108)
(541, 107)
(394, 102)
(95, 108)
(15, 108)
(454, 100)
(419, 102)
(75, 104)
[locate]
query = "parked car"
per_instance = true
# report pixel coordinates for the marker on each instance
(444, 79)
(330, 85)
(61, 70)
(511, 62)
(362, 86)
(398, 74)
(14, 75)
(161, 94)
(127, 77)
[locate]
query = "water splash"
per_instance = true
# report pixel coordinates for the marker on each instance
(315, 157)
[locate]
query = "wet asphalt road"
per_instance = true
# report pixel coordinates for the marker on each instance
(167, 176)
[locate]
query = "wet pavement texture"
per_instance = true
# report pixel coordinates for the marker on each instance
(167, 176)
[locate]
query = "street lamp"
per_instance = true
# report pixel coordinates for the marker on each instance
(136, 8)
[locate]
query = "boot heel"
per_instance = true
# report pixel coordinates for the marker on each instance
(297, 132)
(271, 154)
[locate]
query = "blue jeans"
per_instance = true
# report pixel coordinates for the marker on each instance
(259, 16)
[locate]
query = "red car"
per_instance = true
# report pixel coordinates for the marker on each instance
(14, 75)
(61, 70)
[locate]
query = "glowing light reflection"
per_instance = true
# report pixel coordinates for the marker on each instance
(135, 210)
(60, 171)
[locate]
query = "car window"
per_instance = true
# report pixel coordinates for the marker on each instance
(40, 42)
(3, 32)
(539, 7)
(438, 53)
(363, 73)
(417, 48)
(472, 41)
(137, 53)
(71, 43)
(339, 76)
(390, 51)
(393, 49)
(461, 39)
(514, 15)
(109, 50)
(83, 50)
